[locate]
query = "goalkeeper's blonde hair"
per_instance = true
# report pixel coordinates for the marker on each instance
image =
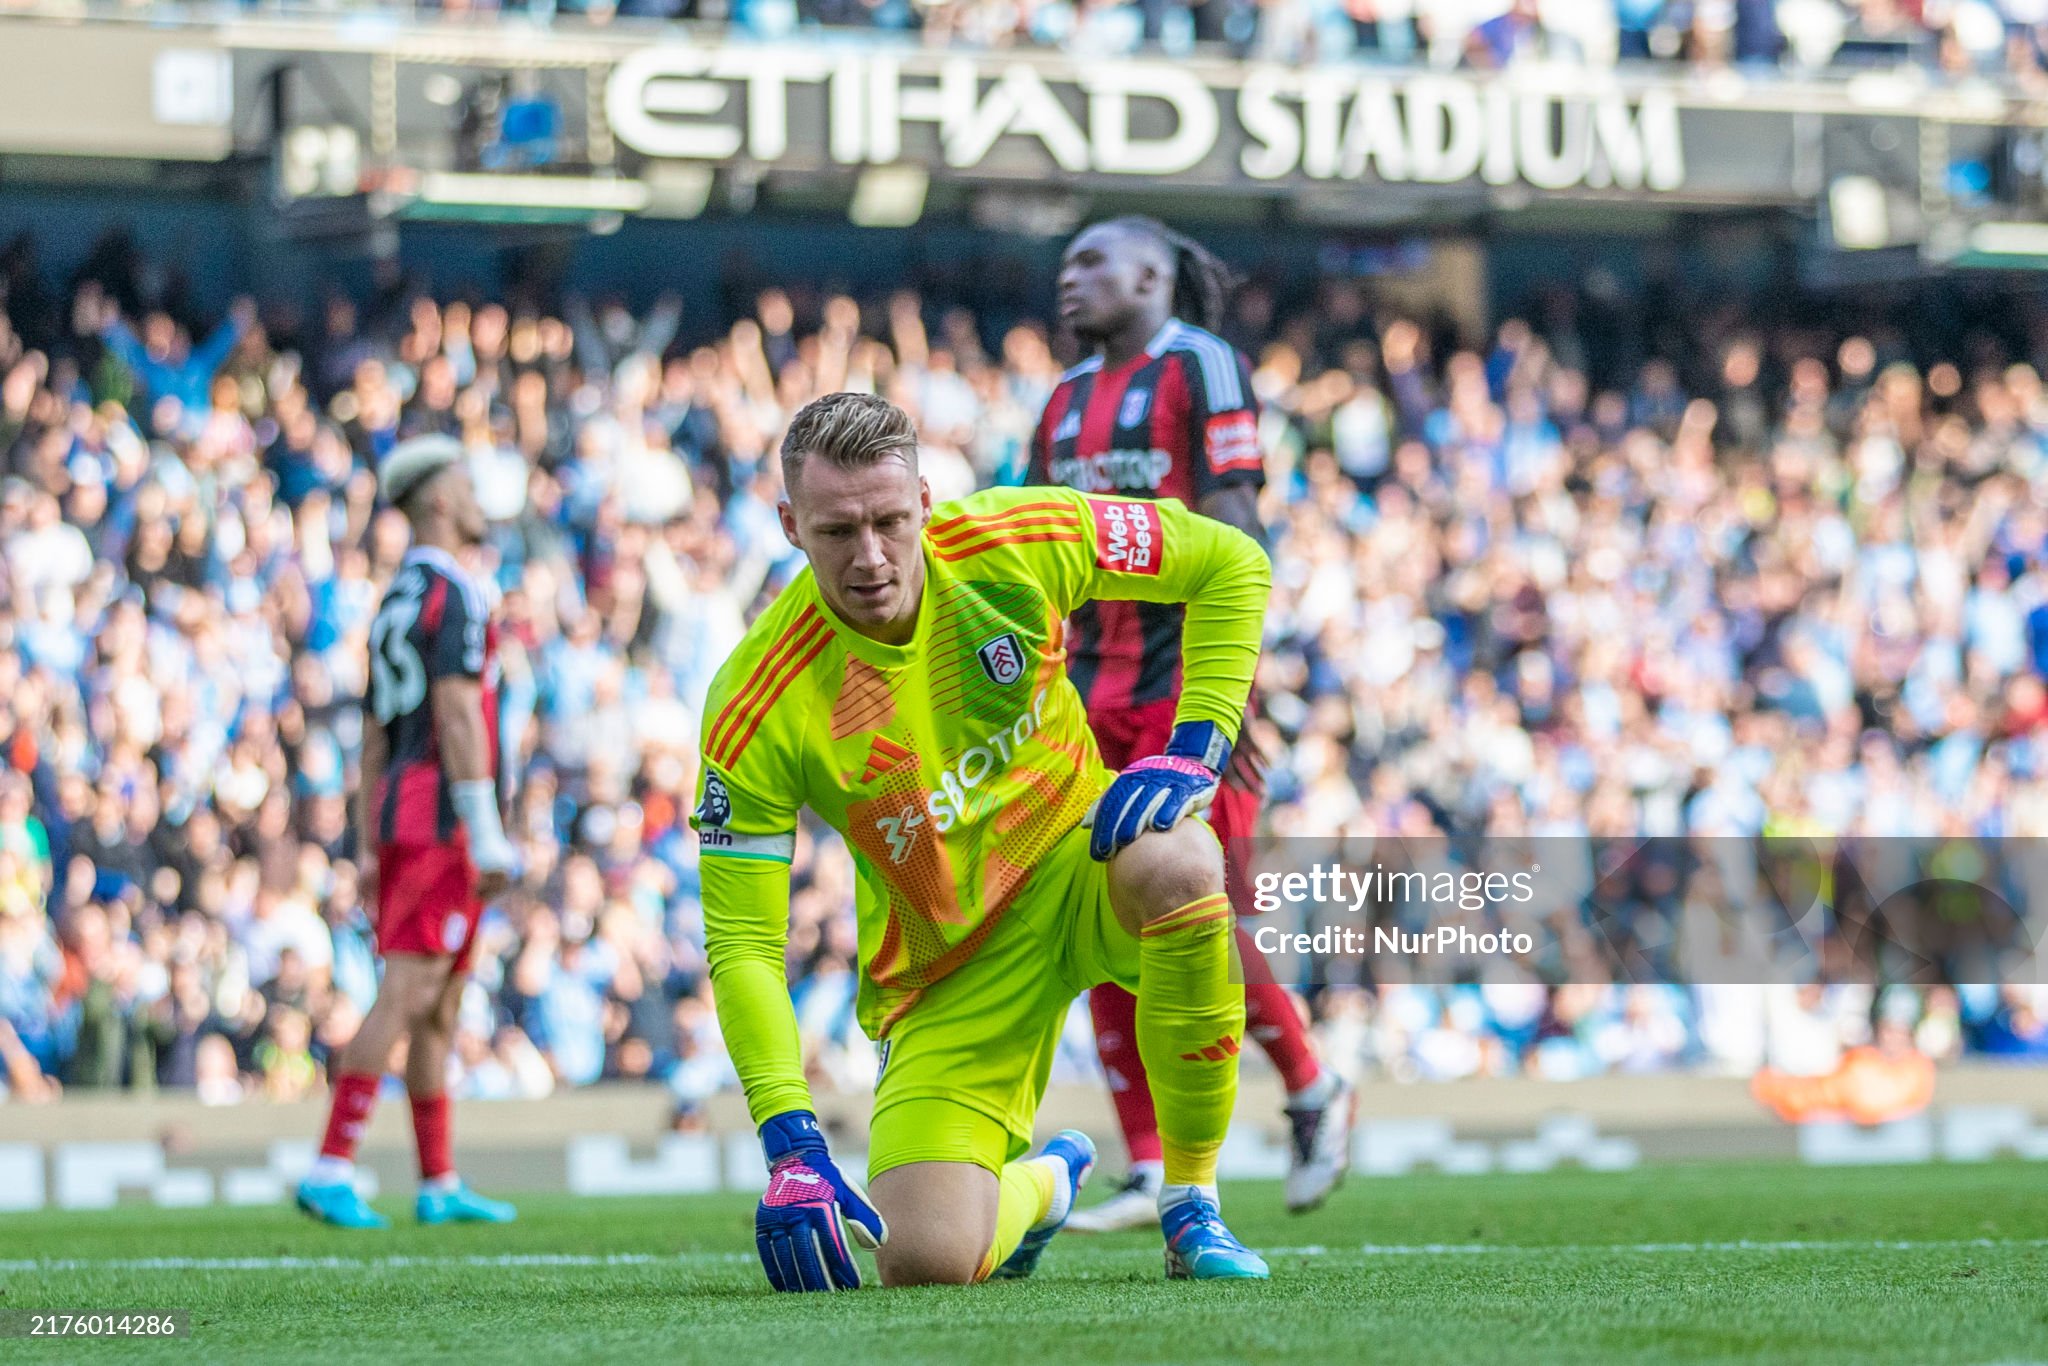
(849, 430)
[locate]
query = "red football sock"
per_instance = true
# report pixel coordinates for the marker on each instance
(1270, 1017)
(430, 1132)
(348, 1113)
(1115, 1012)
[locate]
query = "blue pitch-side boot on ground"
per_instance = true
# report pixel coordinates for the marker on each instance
(1078, 1150)
(338, 1204)
(462, 1206)
(1200, 1248)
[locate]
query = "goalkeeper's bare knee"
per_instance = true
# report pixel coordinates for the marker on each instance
(941, 1216)
(927, 1264)
(1164, 870)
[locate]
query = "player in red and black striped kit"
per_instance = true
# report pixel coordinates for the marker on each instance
(1164, 409)
(434, 847)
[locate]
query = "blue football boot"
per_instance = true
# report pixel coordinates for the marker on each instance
(461, 1206)
(1200, 1248)
(337, 1203)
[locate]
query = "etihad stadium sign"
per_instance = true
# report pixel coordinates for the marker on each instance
(1341, 142)
(1025, 119)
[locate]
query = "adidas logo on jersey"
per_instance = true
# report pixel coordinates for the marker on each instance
(883, 755)
(1225, 1047)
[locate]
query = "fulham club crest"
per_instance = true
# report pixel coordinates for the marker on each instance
(1002, 659)
(1133, 411)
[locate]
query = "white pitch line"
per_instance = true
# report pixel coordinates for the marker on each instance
(394, 1263)
(578, 1259)
(1609, 1249)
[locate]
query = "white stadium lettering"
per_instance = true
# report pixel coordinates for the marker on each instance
(1114, 471)
(979, 763)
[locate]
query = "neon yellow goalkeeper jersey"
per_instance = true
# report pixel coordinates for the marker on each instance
(951, 764)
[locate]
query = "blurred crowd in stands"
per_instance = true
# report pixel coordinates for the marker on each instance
(1659, 563)
(1955, 37)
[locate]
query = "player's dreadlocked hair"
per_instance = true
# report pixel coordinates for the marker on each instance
(1202, 283)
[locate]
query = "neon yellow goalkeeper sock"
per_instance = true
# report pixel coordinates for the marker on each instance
(1190, 1018)
(1026, 1194)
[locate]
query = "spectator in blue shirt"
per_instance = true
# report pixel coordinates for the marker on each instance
(165, 362)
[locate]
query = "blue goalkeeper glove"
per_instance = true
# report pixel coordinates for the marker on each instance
(802, 1221)
(1153, 794)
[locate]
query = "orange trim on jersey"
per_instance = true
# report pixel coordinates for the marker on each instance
(721, 725)
(1023, 511)
(902, 1009)
(937, 970)
(954, 535)
(800, 633)
(1202, 912)
(819, 639)
(738, 711)
(941, 527)
(966, 552)
(1004, 535)
(865, 714)
(864, 701)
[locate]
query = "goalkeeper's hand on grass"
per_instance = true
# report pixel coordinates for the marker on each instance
(1153, 794)
(802, 1222)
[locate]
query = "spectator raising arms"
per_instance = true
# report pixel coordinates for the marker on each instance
(1662, 565)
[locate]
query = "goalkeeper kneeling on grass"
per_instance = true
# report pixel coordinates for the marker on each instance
(910, 688)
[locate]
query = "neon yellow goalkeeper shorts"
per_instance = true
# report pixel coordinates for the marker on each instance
(964, 1069)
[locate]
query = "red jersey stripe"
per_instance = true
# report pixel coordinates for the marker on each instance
(437, 599)
(1173, 410)
(1098, 418)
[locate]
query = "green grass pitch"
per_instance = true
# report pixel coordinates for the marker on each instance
(1689, 1263)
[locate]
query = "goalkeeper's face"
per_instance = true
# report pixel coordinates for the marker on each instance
(861, 528)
